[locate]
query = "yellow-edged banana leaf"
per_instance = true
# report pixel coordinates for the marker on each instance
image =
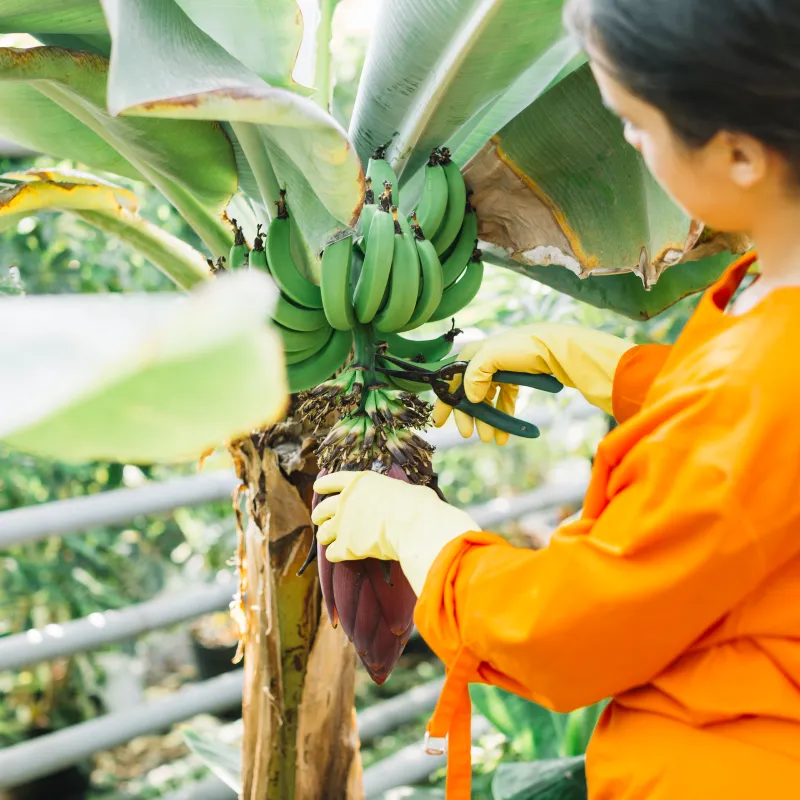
(558, 188)
(139, 378)
(108, 207)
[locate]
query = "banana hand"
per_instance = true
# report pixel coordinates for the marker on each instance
(580, 358)
(373, 516)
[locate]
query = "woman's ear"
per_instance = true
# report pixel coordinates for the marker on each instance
(747, 159)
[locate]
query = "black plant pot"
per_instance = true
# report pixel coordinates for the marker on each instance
(213, 662)
(72, 783)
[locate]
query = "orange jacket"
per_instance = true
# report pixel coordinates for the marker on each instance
(677, 593)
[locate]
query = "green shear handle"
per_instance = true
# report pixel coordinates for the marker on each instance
(439, 380)
(500, 420)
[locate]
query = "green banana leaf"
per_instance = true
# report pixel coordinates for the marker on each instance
(69, 17)
(139, 378)
(265, 35)
(531, 730)
(625, 293)
(108, 207)
(28, 194)
(582, 198)
(165, 152)
(551, 779)
(30, 119)
(431, 68)
(288, 140)
(224, 760)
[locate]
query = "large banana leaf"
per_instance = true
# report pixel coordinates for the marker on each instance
(560, 186)
(288, 140)
(30, 119)
(431, 67)
(139, 378)
(106, 206)
(166, 152)
(265, 35)
(70, 17)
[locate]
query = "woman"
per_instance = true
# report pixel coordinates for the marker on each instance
(677, 593)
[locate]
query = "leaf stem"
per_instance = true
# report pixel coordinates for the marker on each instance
(323, 81)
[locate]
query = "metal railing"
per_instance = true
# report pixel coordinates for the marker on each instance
(45, 755)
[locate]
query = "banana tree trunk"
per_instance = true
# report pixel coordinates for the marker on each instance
(300, 738)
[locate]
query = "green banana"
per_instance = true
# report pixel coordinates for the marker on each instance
(297, 318)
(296, 356)
(463, 292)
(365, 220)
(337, 268)
(258, 255)
(404, 282)
(319, 367)
(407, 386)
(422, 349)
(379, 170)
(237, 258)
(281, 264)
(376, 269)
(433, 203)
(456, 203)
(455, 264)
(432, 284)
(302, 340)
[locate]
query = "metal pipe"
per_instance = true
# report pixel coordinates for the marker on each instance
(410, 765)
(33, 523)
(209, 789)
(96, 630)
(494, 513)
(388, 715)
(33, 759)
(102, 628)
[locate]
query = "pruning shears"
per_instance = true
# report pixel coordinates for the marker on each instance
(440, 380)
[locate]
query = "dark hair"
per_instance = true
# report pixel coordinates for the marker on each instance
(707, 65)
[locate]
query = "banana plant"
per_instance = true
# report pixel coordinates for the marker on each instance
(477, 137)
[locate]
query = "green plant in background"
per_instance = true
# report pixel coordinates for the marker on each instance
(170, 94)
(544, 749)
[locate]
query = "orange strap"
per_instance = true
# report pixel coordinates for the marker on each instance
(450, 727)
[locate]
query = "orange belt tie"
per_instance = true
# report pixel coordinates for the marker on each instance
(450, 728)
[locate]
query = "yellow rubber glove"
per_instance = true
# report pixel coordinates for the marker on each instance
(580, 358)
(372, 516)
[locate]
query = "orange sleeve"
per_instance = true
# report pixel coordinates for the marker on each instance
(674, 535)
(634, 375)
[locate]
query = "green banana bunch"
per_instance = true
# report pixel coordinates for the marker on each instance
(392, 273)
(314, 348)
